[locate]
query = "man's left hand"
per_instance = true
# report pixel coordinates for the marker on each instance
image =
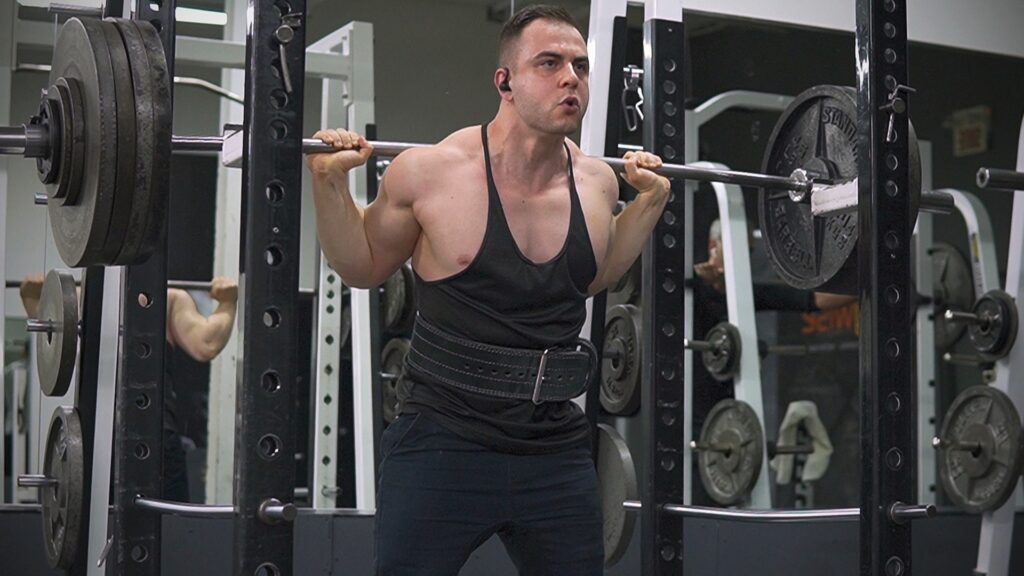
(224, 289)
(640, 175)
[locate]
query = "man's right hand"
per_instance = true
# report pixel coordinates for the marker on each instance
(353, 151)
(712, 272)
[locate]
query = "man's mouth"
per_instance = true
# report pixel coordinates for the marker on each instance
(571, 103)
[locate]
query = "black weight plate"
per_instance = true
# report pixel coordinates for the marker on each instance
(67, 93)
(627, 289)
(616, 479)
(724, 360)
(56, 351)
(994, 339)
(142, 84)
(408, 318)
(818, 133)
(620, 364)
(62, 502)
(392, 363)
(392, 301)
(729, 477)
(80, 230)
(982, 477)
(155, 228)
(952, 289)
(124, 194)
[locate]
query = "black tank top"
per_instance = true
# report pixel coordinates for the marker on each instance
(504, 299)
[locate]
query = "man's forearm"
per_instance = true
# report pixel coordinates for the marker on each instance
(633, 227)
(341, 231)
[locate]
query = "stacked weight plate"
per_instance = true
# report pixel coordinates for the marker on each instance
(110, 98)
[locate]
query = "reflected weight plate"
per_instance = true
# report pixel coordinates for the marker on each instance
(616, 478)
(620, 364)
(994, 338)
(398, 301)
(730, 472)
(818, 133)
(952, 289)
(62, 502)
(980, 450)
(392, 363)
(56, 350)
(80, 229)
(723, 361)
(627, 289)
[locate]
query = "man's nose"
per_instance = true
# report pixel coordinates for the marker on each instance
(570, 77)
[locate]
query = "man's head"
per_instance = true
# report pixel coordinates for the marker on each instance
(543, 69)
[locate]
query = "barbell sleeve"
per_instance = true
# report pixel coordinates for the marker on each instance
(36, 481)
(1001, 179)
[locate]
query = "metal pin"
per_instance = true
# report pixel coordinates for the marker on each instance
(36, 481)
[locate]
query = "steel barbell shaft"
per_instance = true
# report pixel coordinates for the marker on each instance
(314, 146)
(15, 140)
(181, 284)
(1004, 179)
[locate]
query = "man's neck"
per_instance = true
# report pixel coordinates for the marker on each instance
(526, 154)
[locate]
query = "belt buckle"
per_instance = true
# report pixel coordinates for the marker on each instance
(540, 376)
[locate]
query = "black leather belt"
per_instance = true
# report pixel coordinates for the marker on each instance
(555, 374)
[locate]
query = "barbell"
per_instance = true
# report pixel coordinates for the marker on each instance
(102, 136)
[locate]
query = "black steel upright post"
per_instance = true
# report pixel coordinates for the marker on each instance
(888, 402)
(613, 122)
(663, 261)
(376, 335)
(271, 209)
(139, 401)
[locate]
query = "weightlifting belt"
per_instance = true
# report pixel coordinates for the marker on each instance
(554, 374)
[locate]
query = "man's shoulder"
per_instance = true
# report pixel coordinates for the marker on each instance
(461, 145)
(590, 165)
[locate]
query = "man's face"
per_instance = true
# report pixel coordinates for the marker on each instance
(549, 77)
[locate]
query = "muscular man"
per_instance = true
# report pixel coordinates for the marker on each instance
(201, 337)
(510, 228)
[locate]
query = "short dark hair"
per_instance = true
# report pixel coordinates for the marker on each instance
(515, 25)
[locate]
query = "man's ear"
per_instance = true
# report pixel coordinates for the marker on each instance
(503, 84)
